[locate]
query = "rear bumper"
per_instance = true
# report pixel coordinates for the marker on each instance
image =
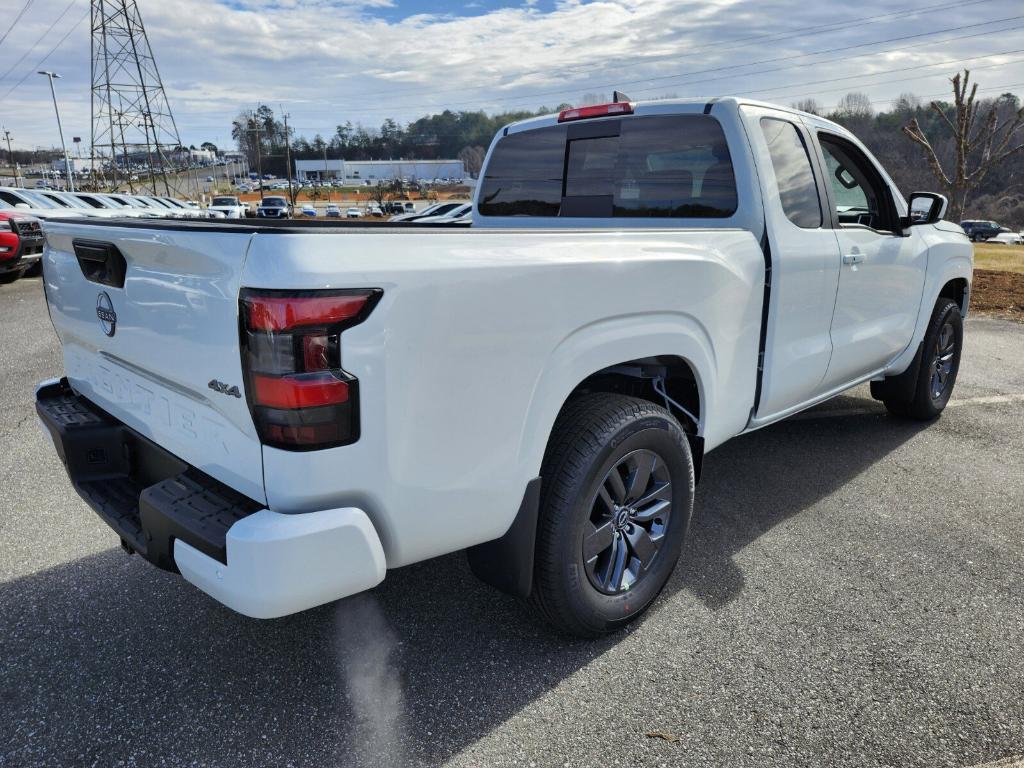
(258, 562)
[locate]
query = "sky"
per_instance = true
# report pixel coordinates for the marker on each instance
(325, 62)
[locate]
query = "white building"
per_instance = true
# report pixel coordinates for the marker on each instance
(358, 171)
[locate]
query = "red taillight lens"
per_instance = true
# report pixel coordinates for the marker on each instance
(299, 395)
(282, 313)
(598, 110)
(308, 391)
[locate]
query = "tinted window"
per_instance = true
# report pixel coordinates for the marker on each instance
(672, 166)
(524, 175)
(797, 189)
(857, 188)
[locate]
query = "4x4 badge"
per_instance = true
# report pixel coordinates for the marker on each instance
(224, 389)
(105, 312)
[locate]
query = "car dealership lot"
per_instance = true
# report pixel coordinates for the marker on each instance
(852, 594)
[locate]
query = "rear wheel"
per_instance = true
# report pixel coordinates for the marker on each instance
(926, 396)
(616, 500)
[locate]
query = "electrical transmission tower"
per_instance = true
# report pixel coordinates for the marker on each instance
(131, 116)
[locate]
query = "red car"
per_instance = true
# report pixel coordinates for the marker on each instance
(21, 245)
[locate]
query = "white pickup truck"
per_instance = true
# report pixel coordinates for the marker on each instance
(283, 411)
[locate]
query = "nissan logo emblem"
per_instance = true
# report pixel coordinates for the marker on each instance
(105, 312)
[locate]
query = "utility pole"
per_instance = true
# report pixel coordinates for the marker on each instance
(10, 156)
(288, 157)
(259, 153)
(324, 180)
(67, 161)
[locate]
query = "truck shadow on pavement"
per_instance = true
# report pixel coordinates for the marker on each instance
(106, 659)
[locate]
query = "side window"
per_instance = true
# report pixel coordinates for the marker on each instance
(797, 188)
(858, 191)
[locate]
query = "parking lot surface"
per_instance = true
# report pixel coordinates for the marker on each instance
(852, 594)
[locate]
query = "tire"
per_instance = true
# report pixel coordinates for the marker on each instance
(633, 528)
(9, 277)
(927, 395)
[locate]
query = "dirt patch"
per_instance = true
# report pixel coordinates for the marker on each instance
(999, 293)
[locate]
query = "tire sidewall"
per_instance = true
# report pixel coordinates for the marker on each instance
(951, 312)
(597, 610)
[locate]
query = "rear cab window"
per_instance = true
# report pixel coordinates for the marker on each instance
(640, 166)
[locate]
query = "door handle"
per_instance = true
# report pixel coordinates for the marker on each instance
(852, 258)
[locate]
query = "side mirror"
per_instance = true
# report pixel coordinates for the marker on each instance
(925, 208)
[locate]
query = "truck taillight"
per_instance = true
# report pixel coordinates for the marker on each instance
(300, 396)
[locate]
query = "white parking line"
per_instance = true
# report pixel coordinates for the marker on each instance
(842, 412)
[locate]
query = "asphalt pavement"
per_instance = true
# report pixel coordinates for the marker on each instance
(852, 594)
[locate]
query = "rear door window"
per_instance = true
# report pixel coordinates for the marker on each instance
(674, 166)
(798, 191)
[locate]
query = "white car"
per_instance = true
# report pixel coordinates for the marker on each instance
(333, 210)
(1007, 238)
(462, 214)
(437, 209)
(229, 205)
(540, 389)
(353, 213)
(32, 202)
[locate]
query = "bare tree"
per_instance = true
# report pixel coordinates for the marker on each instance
(472, 158)
(982, 141)
(808, 105)
(906, 102)
(854, 105)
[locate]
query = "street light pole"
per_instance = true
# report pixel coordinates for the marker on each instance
(60, 129)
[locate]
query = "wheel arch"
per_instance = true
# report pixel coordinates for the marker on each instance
(602, 357)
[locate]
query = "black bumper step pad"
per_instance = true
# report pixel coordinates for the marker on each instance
(147, 495)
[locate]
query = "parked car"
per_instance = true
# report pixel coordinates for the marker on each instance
(21, 244)
(308, 209)
(229, 205)
(33, 203)
(461, 214)
(1007, 238)
(273, 208)
(541, 391)
(980, 231)
(353, 213)
(437, 209)
(333, 210)
(68, 202)
(374, 210)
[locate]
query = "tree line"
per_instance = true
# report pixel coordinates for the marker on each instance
(968, 148)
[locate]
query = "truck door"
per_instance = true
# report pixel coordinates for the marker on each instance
(882, 274)
(804, 261)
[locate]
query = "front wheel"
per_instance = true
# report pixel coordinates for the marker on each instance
(927, 395)
(616, 501)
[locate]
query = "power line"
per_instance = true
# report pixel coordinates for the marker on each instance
(773, 92)
(28, 4)
(48, 55)
(723, 45)
(37, 42)
(845, 59)
(535, 96)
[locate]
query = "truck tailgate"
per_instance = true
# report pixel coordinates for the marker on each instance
(158, 348)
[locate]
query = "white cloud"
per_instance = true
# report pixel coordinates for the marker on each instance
(327, 61)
